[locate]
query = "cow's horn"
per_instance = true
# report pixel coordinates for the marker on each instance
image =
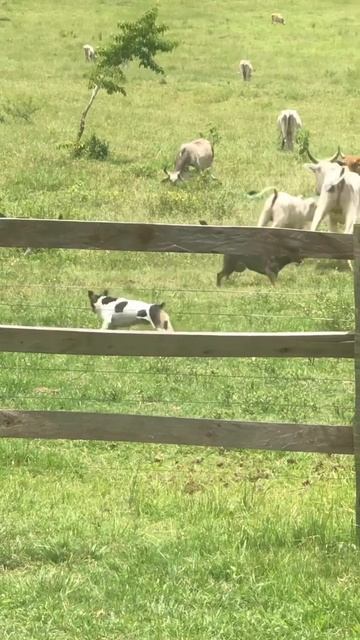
(338, 153)
(312, 158)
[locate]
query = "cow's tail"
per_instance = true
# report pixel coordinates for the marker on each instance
(259, 194)
(267, 213)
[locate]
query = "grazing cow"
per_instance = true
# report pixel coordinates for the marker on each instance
(288, 122)
(198, 153)
(276, 18)
(286, 211)
(90, 53)
(117, 313)
(246, 69)
(266, 265)
(351, 162)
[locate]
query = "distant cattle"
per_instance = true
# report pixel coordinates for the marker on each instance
(276, 18)
(246, 69)
(288, 122)
(198, 153)
(90, 53)
(287, 211)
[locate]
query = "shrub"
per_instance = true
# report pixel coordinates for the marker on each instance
(302, 142)
(93, 147)
(22, 109)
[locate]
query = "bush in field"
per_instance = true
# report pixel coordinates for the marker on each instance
(302, 142)
(212, 135)
(93, 148)
(21, 109)
(140, 40)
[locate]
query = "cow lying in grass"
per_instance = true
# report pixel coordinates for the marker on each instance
(122, 313)
(269, 266)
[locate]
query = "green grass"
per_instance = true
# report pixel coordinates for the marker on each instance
(140, 542)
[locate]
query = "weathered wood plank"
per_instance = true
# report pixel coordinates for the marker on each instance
(123, 236)
(336, 344)
(191, 431)
(357, 376)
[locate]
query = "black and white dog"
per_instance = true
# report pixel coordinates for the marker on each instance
(121, 313)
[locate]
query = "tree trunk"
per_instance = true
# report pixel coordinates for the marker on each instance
(85, 112)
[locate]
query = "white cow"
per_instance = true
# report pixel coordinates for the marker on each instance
(339, 199)
(246, 69)
(289, 212)
(198, 153)
(288, 122)
(90, 53)
(276, 18)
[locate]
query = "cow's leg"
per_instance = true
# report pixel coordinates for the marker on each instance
(272, 276)
(318, 217)
(332, 224)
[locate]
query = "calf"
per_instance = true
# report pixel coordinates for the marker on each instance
(246, 69)
(276, 18)
(288, 122)
(269, 266)
(266, 265)
(287, 211)
(198, 153)
(117, 313)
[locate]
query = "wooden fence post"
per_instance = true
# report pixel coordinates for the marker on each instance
(357, 377)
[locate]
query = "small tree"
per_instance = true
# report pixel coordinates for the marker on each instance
(140, 40)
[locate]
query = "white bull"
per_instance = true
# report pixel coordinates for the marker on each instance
(288, 122)
(198, 153)
(289, 212)
(339, 199)
(340, 194)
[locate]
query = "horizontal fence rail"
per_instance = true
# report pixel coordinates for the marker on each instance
(190, 431)
(337, 344)
(124, 236)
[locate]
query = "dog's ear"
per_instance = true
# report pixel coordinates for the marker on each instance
(106, 292)
(90, 294)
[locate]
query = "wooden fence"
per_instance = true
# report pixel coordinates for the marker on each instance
(344, 439)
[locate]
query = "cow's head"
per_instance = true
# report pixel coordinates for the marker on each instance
(319, 169)
(334, 179)
(172, 176)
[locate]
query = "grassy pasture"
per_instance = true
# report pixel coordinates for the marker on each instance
(136, 542)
